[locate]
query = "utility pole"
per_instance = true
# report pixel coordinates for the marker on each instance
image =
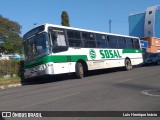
(110, 21)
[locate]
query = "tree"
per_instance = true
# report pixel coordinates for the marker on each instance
(65, 19)
(10, 31)
(13, 44)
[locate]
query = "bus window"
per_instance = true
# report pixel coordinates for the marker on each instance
(122, 42)
(112, 41)
(75, 43)
(85, 36)
(130, 44)
(70, 34)
(89, 44)
(129, 40)
(136, 46)
(74, 38)
(61, 40)
(91, 36)
(88, 36)
(54, 39)
(57, 36)
(136, 43)
(88, 40)
(77, 35)
(101, 41)
(58, 39)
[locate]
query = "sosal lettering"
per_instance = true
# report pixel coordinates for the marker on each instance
(110, 54)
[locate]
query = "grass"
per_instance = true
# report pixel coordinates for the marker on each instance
(9, 81)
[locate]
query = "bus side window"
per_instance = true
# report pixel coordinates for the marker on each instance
(130, 44)
(61, 40)
(57, 36)
(54, 38)
(136, 43)
(121, 42)
(77, 35)
(84, 36)
(89, 40)
(91, 36)
(70, 34)
(74, 38)
(101, 41)
(112, 41)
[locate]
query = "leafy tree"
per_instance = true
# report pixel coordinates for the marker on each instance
(13, 44)
(65, 19)
(10, 31)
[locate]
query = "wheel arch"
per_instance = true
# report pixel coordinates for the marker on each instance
(84, 64)
(128, 59)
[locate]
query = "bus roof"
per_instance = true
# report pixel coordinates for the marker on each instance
(84, 30)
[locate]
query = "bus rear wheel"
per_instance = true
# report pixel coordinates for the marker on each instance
(79, 70)
(128, 65)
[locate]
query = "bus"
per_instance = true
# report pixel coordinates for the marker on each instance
(52, 49)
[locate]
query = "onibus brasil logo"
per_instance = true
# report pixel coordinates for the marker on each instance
(92, 54)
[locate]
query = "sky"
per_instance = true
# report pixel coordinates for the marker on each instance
(84, 14)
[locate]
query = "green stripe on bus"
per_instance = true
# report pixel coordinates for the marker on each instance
(65, 58)
(132, 51)
(55, 59)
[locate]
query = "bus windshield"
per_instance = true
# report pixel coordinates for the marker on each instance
(36, 46)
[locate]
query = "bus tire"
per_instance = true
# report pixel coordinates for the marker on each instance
(24, 81)
(128, 64)
(79, 70)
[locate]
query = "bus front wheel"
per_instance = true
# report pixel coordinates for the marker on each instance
(79, 70)
(128, 64)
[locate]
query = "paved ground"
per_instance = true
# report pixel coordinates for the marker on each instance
(106, 91)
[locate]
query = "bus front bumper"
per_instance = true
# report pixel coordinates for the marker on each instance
(41, 70)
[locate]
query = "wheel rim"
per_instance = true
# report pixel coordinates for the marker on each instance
(128, 65)
(81, 71)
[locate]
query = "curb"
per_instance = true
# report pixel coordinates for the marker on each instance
(10, 86)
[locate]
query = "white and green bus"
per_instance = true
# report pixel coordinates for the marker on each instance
(53, 49)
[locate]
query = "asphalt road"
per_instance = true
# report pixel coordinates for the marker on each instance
(135, 90)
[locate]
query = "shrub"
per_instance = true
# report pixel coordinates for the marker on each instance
(9, 67)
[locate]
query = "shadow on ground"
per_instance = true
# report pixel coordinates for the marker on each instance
(63, 77)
